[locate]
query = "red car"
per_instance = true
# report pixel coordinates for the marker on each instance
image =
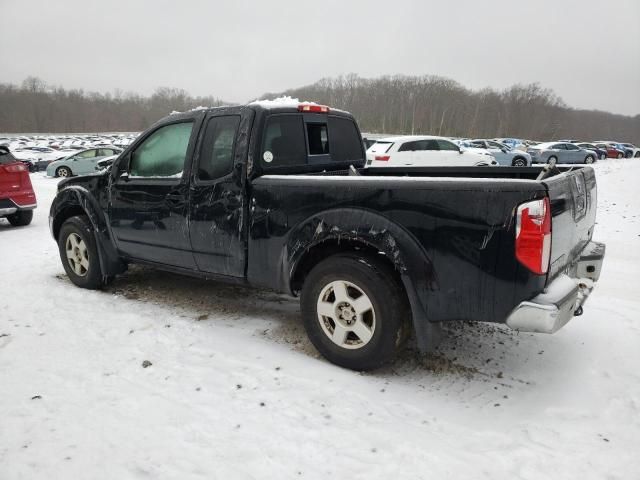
(17, 199)
(612, 152)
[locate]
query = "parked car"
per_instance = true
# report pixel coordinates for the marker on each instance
(601, 153)
(561, 152)
(274, 195)
(17, 198)
(424, 151)
(514, 143)
(634, 151)
(629, 152)
(503, 154)
(80, 163)
(612, 151)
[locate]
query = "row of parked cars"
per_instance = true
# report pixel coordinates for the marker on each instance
(414, 150)
(65, 155)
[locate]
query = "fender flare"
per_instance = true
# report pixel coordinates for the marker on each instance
(372, 229)
(74, 197)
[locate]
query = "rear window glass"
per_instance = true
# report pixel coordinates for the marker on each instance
(284, 143)
(380, 147)
(6, 157)
(344, 139)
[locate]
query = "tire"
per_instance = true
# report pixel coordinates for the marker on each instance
(620, 155)
(603, 157)
(63, 172)
(588, 159)
(20, 218)
(628, 155)
(378, 330)
(519, 162)
(81, 262)
(552, 157)
(637, 155)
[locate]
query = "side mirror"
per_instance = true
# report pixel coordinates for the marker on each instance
(120, 166)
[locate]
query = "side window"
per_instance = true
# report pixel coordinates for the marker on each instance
(558, 146)
(571, 146)
(216, 156)
(87, 154)
(408, 147)
(284, 143)
(318, 138)
(105, 152)
(431, 145)
(344, 140)
(447, 145)
(163, 153)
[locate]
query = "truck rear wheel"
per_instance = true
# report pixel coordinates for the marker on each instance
(355, 311)
(79, 254)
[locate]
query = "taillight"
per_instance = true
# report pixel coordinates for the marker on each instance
(311, 107)
(16, 168)
(533, 235)
(382, 158)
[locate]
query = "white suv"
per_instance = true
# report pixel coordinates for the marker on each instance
(423, 151)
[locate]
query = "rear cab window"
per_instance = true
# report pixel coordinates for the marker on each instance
(310, 139)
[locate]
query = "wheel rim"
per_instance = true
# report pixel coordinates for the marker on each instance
(520, 163)
(63, 172)
(588, 160)
(346, 314)
(77, 254)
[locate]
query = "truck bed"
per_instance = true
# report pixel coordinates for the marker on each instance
(462, 218)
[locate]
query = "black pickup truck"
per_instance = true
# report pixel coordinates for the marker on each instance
(274, 195)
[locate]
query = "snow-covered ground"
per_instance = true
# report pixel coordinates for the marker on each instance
(234, 390)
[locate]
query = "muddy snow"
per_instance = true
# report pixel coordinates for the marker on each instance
(166, 377)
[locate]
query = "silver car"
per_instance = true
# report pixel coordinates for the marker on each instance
(561, 152)
(505, 155)
(80, 163)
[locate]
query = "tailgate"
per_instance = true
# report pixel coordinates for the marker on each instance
(573, 197)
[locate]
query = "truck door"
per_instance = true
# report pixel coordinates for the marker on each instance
(217, 194)
(148, 197)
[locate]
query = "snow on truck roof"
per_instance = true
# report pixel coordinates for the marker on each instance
(280, 102)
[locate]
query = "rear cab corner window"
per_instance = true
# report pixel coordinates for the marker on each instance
(162, 154)
(284, 141)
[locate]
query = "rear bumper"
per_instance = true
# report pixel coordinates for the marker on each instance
(8, 206)
(563, 298)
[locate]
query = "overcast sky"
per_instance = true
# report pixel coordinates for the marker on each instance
(588, 51)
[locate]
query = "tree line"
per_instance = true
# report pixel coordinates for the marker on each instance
(36, 107)
(389, 104)
(440, 106)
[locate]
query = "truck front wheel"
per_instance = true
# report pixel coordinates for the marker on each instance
(79, 254)
(355, 311)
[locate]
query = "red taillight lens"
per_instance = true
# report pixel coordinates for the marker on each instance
(16, 168)
(533, 235)
(382, 158)
(309, 107)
